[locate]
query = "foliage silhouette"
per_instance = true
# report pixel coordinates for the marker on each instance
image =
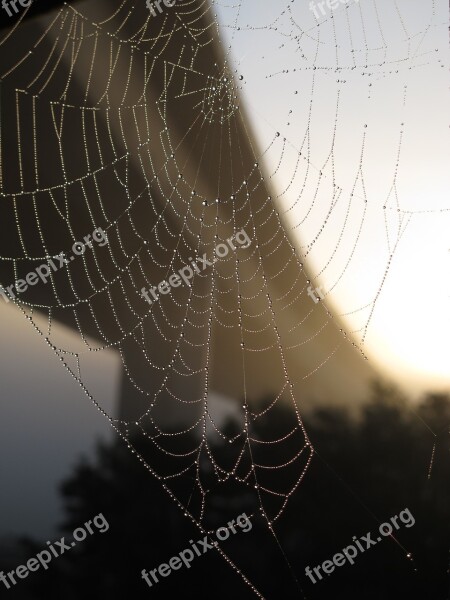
(374, 463)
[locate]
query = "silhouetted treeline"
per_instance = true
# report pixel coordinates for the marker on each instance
(367, 468)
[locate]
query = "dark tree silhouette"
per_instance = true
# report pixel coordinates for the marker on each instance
(368, 468)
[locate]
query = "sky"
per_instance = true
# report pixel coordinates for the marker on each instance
(389, 70)
(46, 424)
(409, 329)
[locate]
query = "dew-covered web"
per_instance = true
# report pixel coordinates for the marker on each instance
(138, 125)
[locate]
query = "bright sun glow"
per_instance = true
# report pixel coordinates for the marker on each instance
(384, 109)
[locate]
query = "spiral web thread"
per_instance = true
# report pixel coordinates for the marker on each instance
(120, 163)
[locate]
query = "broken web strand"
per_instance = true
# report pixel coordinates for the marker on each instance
(74, 28)
(401, 229)
(288, 384)
(144, 462)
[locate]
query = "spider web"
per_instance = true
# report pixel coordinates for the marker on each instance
(112, 118)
